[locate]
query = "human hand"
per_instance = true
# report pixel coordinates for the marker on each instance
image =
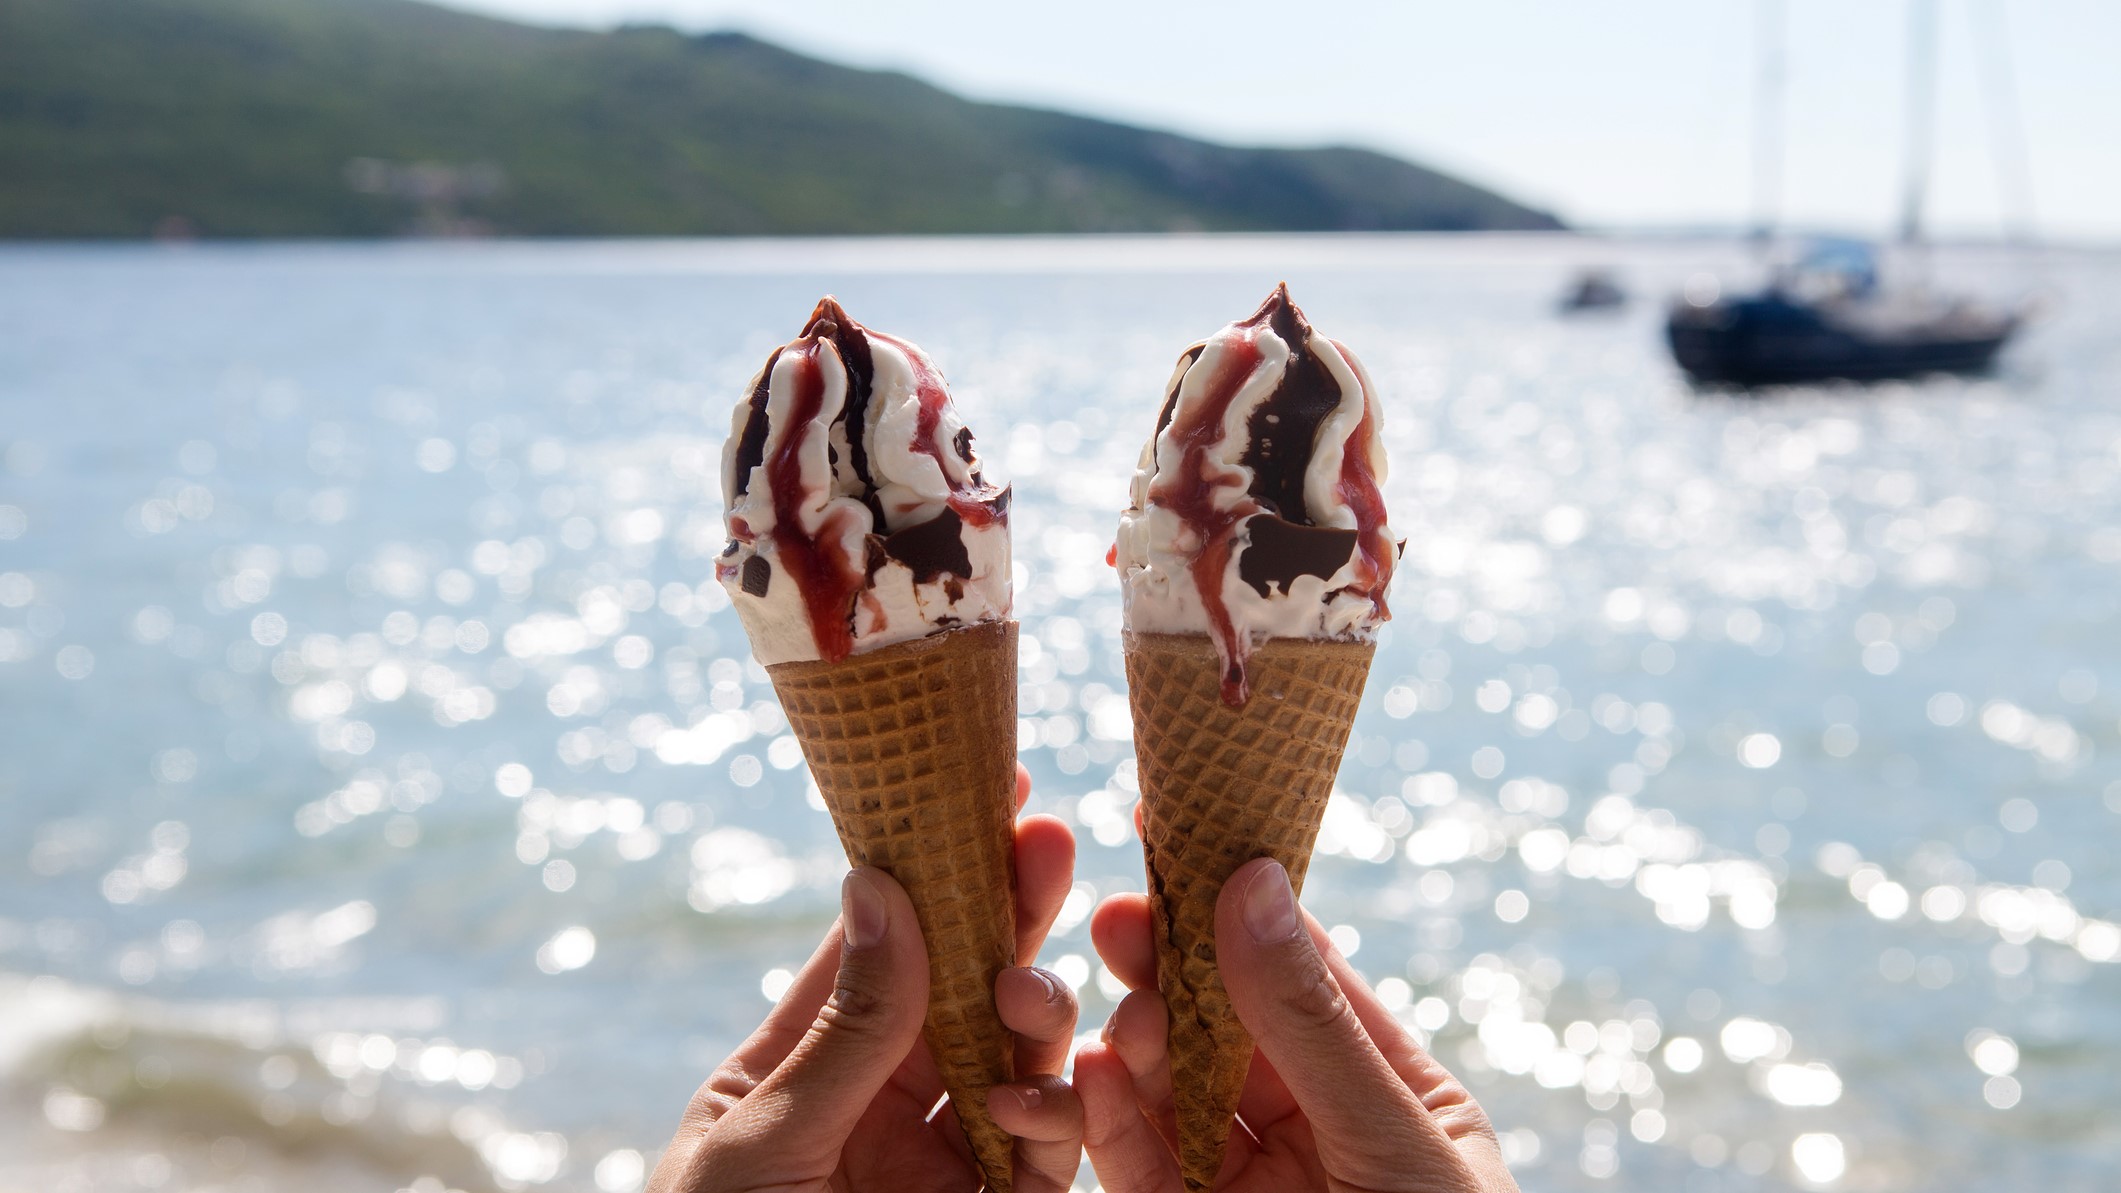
(1339, 1097)
(833, 1091)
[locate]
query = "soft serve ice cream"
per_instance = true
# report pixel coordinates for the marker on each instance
(1256, 511)
(858, 515)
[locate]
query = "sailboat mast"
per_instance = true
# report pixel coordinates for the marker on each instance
(1767, 121)
(1921, 115)
(2006, 126)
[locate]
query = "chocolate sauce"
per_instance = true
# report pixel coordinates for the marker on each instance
(851, 342)
(1186, 361)
(932, 549)
(1284, 429)
(751, 445)
(1281, 550)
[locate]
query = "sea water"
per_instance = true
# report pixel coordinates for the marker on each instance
(387, 799)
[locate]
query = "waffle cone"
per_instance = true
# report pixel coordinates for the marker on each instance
(1221, 786)
(914, 747)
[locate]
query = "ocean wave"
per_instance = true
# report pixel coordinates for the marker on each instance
(108, 1091)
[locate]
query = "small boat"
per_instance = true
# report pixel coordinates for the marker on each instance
(1826, 317)
(1593, 290)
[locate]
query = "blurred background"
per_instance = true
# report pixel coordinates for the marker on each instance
(387, 797)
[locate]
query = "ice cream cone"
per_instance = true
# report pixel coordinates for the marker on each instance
(914, 747)
(1221, 785)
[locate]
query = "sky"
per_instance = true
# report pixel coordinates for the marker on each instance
(1625, 114)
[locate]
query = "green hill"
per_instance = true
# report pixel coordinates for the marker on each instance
(378, 117)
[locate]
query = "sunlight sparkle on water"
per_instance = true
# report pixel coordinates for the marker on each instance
(1820, 1158)
(569, 949)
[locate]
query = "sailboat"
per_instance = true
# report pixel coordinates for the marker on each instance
(1825, 313)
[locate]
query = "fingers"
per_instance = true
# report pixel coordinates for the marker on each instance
(951, 1130)
(1046, 1117)
(1045, 865)
(757, 1056)
(1367, 1123)
(1041, 1010)
(735, 1078)
(1045, 870)
(1139, 1033)
(1446, 1098)
(1139, 1029)
(793, 1124)
(1265, 1100)
(1121, 930)
(1041, 1110)
(1428, 1080)
(770, 1044)
(1126, 1149)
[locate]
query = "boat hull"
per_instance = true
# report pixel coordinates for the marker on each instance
(1737, 346)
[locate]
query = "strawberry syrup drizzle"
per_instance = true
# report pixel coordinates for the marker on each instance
(828, 582)
(973, 510)
(1359, 492)
(1190, 494)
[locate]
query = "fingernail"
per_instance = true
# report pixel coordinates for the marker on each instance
(863, 915)
(1270, 906)
(1054, 989)
(1027, 1098)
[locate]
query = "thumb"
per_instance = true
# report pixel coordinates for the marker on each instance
(1370, 1128)
(800, 1116)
